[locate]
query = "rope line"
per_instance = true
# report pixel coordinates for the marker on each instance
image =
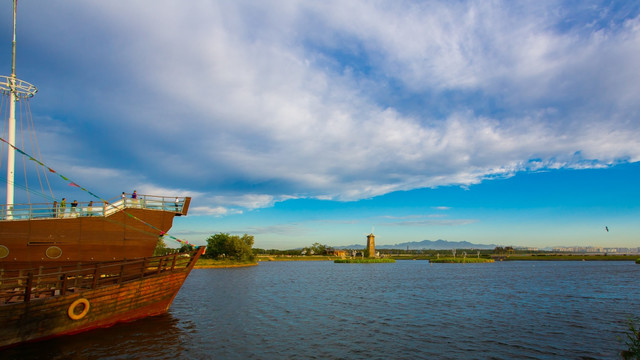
(71, 183)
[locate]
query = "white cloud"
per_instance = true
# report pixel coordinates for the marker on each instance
(214, 211)
(247, 104)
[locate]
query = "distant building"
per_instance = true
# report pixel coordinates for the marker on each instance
(528, 248)
(596, 250)
(338, 253)
(371, 246)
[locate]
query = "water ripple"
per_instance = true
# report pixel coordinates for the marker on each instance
(406, 310)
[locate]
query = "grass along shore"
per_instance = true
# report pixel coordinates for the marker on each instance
(364, 261)
(204, 263)
(460, 260)
(533, 257)
(570, 257)
(211, 263)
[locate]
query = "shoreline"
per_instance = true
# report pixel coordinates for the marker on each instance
(221, 266)
(496, 258)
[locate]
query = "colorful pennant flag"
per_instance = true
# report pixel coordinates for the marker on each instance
(71, 183)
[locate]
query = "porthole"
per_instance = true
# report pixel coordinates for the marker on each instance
(4, 251)
(53, 252)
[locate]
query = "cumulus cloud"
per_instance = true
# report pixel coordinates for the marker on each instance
(247, 104)
(214, 211)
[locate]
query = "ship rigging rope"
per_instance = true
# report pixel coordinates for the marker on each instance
(4, 110)
(20, 186)
(35, 146)
(24, 160)
(4, 129)
(24, 115)
(24, 112)
(71, 183)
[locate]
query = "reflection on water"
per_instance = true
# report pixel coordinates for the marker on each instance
(406, 310)
(157, 337)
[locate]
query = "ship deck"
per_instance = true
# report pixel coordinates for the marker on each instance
(34, 211)
(26, 285)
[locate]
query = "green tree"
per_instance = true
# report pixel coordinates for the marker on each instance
(509, 250)
(319, 249)
(230, 246)
(216, 245)
(185, 248)
(161, 248)
(315, 249)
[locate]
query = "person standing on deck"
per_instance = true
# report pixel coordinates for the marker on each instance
(74, 205)
(63, 206)
(54, 209)
(134, 198)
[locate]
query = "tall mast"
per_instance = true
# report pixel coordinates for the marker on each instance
(15, 89)
(11, 156)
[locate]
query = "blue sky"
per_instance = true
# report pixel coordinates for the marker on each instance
(511, 123)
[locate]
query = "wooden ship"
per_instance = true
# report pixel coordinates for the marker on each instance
(41, 303)
(34, 235)
(68, 269)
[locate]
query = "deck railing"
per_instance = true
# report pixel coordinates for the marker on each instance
(91, 208)
(27, 285)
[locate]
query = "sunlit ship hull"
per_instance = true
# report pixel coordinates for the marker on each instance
(45, 303)
(124, 230)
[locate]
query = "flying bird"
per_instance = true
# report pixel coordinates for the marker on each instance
(606, 228)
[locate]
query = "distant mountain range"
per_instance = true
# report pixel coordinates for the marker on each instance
(426, 245)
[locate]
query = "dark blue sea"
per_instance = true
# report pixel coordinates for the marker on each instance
(406, 310)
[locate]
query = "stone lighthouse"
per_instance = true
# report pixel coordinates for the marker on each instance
(371, 246)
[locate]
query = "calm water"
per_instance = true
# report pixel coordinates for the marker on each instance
(406, 310)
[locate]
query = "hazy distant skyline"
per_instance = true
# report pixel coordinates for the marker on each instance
(514, 123)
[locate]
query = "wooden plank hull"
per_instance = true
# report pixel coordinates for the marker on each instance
(43, 242)
(147, 295)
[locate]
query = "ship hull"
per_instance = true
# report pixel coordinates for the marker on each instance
(90, 297)
(125, 233)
